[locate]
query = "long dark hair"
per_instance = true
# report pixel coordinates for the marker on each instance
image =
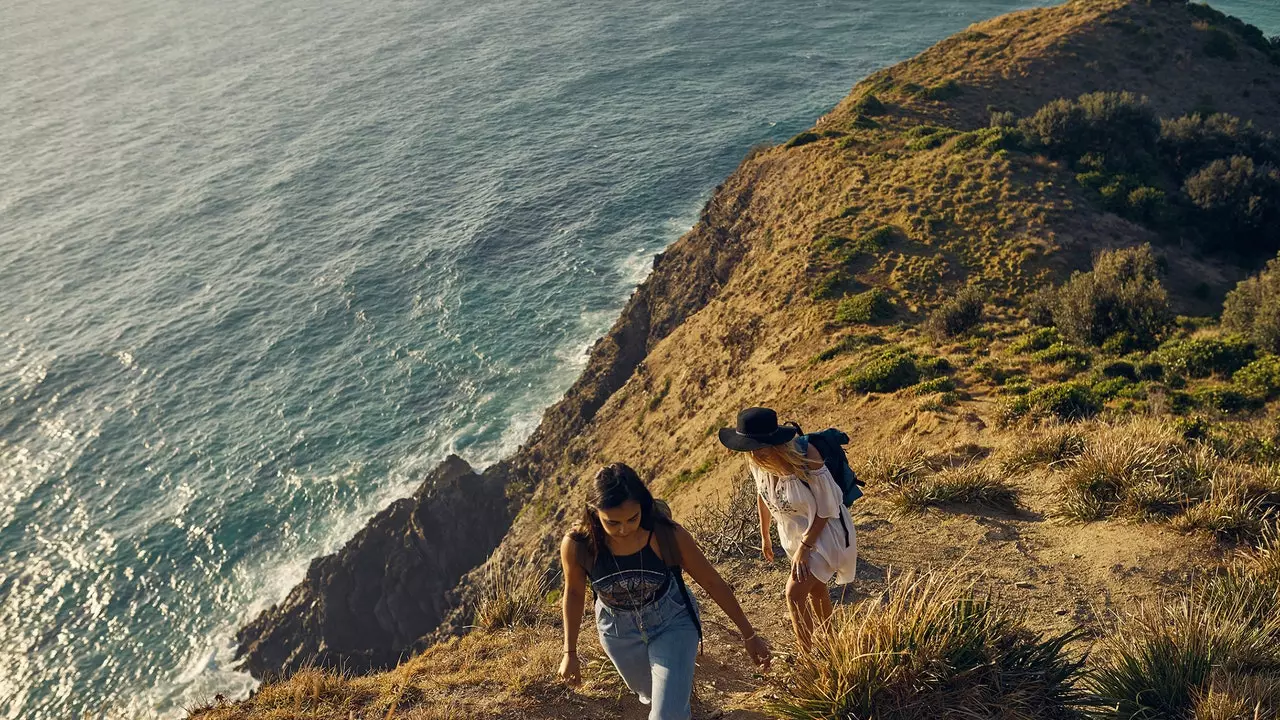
(614, 485)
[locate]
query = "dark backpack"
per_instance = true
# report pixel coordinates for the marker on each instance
(829, 444)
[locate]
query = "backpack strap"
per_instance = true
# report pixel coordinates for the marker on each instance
(670, 549)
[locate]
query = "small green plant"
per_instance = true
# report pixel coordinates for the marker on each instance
(828, 286)
(864, 307)
(869, 105)
(935, 385)
(892, 370)
(803, 138)
(1067, 356)
(1066, 401)
(1260, 377)
(1039, 339)
(1202, 357)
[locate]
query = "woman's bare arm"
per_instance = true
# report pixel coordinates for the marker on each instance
(703, 573)
(573, 599)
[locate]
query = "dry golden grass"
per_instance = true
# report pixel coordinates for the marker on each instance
(933, 648)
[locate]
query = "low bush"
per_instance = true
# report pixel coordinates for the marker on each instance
(1120, 369)
(1122, 294)
(803, 138)
(870, 105)
(931, 647)
(1224, 399)
(958, 314)
(1109, 123)
(1066, 401)
(936, 385)
(1253, 308)
(1039, 339)
(927, 137)
(864, 307)
(891, 370)
(1260, 377)
(1069, 357)
(828, 286)
(1202, 357)
(1240, 203)
(1218, 44)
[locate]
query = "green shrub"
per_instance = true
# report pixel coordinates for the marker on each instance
(1202, 357)
(870, 105)
(1260, 377)
(1108, 388)
(1190, 142)
(1218, 44)
(1121, 294)
(1223, 399)
(958, 314)
(1120, 369)
(1069, 356)
(1036, 340)
(927, 137)
(803, 138)
(1066, 401)
(1240, 203)
(935, 385)
(943, 91)
(864, 307)
(1253, 308)
(1113, 124)
(892, 370)
(828, 286)
(1150, 370)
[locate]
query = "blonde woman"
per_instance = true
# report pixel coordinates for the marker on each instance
(795, 488)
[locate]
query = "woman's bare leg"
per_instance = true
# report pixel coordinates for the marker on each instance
(820, 596)
(798, 604)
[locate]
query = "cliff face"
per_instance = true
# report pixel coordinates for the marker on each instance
(381, 595)
(917, 204)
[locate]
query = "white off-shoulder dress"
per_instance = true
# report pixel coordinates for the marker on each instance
(794, 504)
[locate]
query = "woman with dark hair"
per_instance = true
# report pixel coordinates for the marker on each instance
(634, 555)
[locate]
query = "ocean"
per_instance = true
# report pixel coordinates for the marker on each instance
(266, 263)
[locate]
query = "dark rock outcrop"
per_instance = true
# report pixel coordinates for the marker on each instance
(364, 606)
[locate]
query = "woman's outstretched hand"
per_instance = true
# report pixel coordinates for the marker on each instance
(766, 549)
(571, 669)
(758, 648)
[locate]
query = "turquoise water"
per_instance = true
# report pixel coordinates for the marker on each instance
(264, 263)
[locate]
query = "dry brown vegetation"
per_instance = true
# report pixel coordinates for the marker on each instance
(1091, 480)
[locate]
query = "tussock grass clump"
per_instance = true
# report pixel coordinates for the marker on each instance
(970, 483)
(934, 648)
(1045, 447)
(893, 369)
(512, 597)
(1148, 470)
(894, 464)
(1214, 653)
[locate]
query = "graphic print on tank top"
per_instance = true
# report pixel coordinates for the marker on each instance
(628, 582)
(631, 589)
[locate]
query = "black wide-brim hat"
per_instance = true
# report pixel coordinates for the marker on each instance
(757, 428)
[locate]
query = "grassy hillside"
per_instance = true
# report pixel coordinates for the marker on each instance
(1001, 267)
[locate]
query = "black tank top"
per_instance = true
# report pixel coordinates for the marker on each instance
(629, 582)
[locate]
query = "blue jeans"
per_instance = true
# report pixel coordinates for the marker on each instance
(656, 663)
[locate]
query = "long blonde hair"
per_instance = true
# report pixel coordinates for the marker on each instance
(782, 460)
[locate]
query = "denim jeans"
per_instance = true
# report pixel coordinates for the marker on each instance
(654, 650)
